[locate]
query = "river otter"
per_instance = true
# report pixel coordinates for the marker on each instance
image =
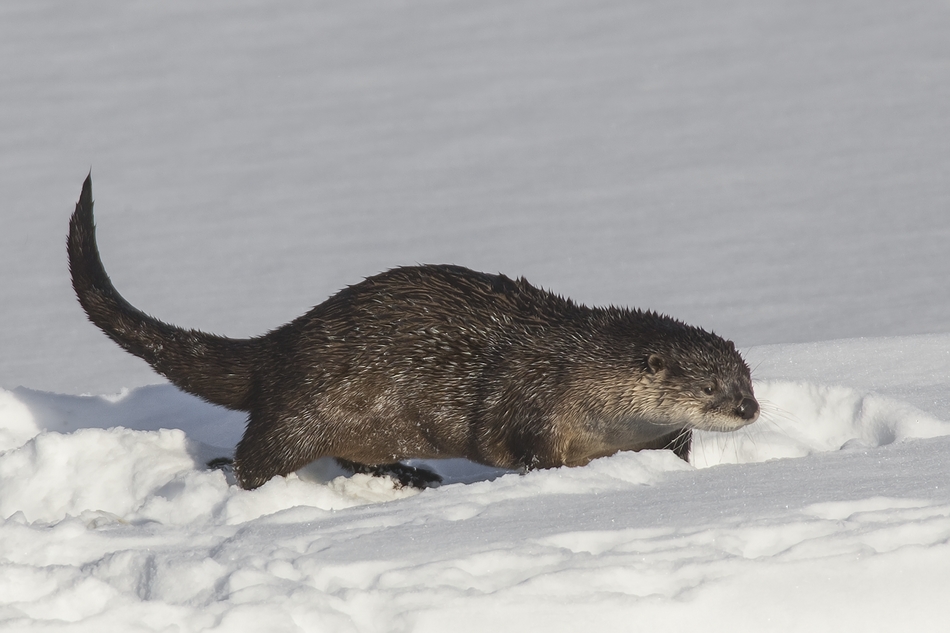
(435, 362)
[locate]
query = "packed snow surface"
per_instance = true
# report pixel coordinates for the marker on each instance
(774, 171)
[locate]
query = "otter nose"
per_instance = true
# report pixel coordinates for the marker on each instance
(747, 409)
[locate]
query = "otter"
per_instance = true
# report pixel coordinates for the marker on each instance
(437, 361)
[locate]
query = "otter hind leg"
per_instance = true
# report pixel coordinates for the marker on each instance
(220, 463)
(275, 444)
(403, 475)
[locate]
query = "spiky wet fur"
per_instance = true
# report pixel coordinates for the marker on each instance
(434, 362)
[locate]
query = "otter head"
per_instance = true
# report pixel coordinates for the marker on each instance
(701, 380)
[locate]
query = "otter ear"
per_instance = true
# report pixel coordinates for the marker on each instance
(655, 363)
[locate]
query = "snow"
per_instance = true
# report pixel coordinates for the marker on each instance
(774, 171)
(118, 528)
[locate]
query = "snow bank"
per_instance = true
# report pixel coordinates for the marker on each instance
(800, 418)
(97, 462)
(112, 521)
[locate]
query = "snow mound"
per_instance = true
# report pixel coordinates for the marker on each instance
(99, 468)
(800, 418)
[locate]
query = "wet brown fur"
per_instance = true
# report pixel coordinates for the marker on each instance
(435, 362)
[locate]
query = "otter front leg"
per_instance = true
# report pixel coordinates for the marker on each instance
(679, 441)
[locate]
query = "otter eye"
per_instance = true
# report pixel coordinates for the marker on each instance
(709, 390)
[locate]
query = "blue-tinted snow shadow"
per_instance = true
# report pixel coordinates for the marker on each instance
(144, 409)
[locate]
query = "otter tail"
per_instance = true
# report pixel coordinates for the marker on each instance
(215, 368)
